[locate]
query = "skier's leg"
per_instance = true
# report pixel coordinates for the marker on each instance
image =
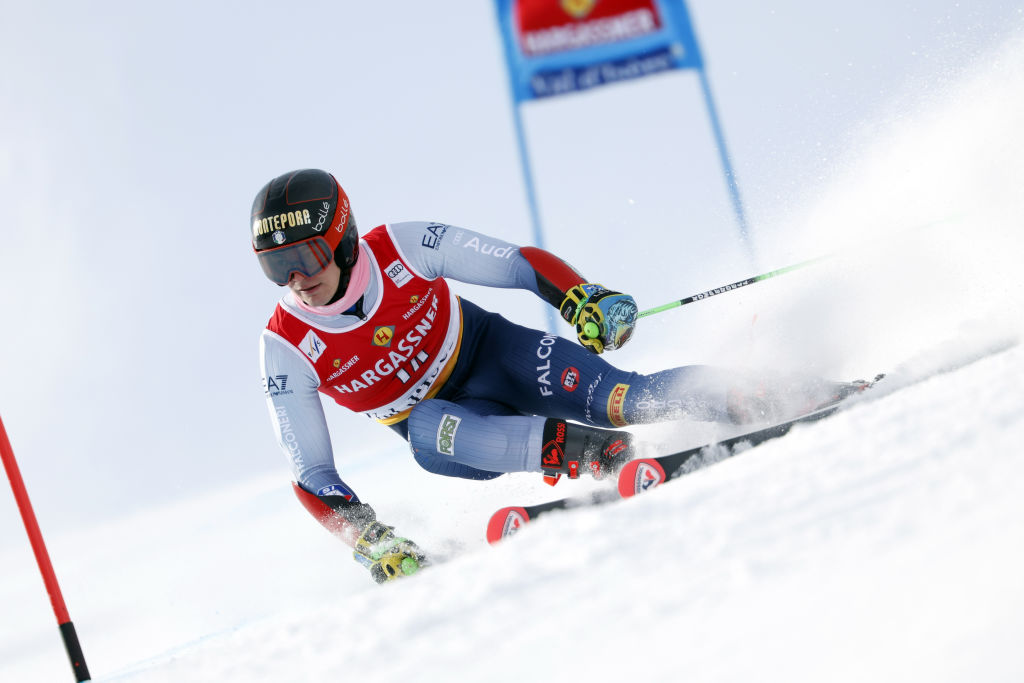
(474, 439)
(544, 374)
(475, 427)
(480, 424)
(463, 440)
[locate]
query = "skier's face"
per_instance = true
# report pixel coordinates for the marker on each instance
(318, 289)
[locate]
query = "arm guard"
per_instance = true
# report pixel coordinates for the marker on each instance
(342, 518)
(554, 276)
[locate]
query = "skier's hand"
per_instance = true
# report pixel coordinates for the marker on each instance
(604, 319)
(387, 556)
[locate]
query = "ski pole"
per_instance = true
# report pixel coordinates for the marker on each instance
(735, 285)
(787, 269)
(35, 537)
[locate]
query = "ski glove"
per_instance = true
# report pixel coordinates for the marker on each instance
(604, 319)
(387, 556)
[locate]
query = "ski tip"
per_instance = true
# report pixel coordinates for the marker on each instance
(639, 476)
(506, 522)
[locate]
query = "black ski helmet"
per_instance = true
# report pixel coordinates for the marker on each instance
(301, 221)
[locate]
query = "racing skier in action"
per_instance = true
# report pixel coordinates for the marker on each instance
(372, 324)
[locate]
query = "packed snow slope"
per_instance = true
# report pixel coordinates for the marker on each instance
(882, 544)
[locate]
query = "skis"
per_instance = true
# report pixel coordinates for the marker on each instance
(643, 474)
(507, 521)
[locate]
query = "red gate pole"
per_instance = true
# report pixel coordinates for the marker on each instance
(35, 536)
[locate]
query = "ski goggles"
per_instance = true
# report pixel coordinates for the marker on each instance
(307, 258)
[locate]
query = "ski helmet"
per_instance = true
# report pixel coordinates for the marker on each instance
(301, 221)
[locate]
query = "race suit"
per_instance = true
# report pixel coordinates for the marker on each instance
(468, 389)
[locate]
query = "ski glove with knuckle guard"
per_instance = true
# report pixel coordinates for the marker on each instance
(387, 556)
(603, 319)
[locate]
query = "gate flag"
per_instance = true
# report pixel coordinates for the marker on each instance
(558, 47)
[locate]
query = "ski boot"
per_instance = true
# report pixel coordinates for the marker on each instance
(569, 448)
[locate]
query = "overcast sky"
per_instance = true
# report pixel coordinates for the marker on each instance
(135, 136)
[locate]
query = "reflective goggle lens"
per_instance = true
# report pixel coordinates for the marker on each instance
(307, 258)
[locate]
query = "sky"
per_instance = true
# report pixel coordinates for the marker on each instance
(134, 138)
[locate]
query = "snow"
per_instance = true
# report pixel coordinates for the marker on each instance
(881, 544)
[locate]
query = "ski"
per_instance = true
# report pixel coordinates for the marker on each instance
(508, 520)
(645, 473)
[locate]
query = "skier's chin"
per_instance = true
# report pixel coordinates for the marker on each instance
(311, 296)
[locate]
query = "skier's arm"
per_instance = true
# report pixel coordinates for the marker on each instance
(603, 318)
(438, 250)
(375, 545)
(290, 387)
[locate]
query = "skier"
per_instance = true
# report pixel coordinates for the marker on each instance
(372, 324)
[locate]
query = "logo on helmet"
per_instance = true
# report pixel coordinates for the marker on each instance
(345, 210)
(321, 221)
(282, 221)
